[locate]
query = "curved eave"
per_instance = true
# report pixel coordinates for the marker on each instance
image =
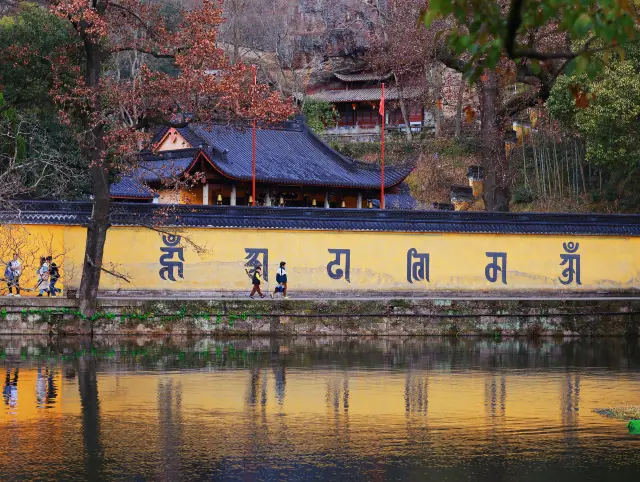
(289, 182)
(141, 198)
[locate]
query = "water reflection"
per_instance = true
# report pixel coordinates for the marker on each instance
(316, 408)
(170, 425)
(10, 391)
(90, 409)
(46, 391)
(495, 391)
(416, 395)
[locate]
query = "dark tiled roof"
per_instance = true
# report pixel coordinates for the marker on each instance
(362, 77)
(152, 168)
(156, 171)
(362, 95)
(462, 193)
(130, 188)
(289, 155)
(444, 207)
(131, 214)
(400, 200)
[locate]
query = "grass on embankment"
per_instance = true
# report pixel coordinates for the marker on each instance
(631, 412)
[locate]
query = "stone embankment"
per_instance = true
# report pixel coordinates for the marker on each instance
(378, 317)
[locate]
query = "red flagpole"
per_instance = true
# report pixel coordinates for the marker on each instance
(253, 145)
(382, 111)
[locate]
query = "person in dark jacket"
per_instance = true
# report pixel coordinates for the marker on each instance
(281, 279)
(256, 280)
(54, 276)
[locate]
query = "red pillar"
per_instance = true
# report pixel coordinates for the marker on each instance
(382, 157)
(253, 146)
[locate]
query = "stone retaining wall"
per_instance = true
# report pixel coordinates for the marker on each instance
(456, 317)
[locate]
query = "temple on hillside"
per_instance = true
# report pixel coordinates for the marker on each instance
(294, 168)
(356, 99)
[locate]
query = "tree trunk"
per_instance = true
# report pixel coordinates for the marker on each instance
(99, 223)
(403, 108)
(458, 132)
(494, 158)
(436, 82)
(96, 238)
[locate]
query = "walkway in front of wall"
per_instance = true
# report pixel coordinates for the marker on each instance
(307, 297)
(147, 296)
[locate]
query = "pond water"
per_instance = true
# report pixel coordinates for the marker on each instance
(439, 409)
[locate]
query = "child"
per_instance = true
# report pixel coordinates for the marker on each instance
(256, 280)
(281, 279)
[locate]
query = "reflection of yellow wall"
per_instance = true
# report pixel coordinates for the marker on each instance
(383, 408)
(378, 260)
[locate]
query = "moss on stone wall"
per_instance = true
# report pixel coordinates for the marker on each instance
(371, 317)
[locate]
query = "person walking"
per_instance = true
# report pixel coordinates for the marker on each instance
(12, 274)
(281, 279)
(43, 276)
(54, 276)
(256, 280)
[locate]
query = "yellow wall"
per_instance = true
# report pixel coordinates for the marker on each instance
(378, 260)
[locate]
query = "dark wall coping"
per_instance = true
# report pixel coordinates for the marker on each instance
(244, 217)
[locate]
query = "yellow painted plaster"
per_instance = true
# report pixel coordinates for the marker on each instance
(378, 260)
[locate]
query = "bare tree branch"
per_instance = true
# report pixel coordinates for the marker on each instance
(156, 55)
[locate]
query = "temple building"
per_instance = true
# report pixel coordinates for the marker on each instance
(356, 99)
(294, 168)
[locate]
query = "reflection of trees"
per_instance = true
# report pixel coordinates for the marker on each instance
(254, 387)
(337, 403)
(52, 391)
(570, 406)
(416, 399)
(337, 394)
(280, 383)
(495, 395)
(170, 424)
(419, 353)
(257, 392)
(88, 386)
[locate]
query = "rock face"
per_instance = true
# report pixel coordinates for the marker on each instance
(428, 317)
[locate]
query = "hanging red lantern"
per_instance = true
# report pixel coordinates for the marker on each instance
(353, 106)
